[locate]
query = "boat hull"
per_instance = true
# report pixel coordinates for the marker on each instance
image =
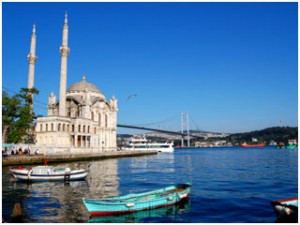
(137, 202)
(27, 175)
(166, 150)
(286, 210)
(252, 145)
(146, 148)
(139, 216)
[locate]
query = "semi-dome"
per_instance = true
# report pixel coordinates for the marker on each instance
(83, 86)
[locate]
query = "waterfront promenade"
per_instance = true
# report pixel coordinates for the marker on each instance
(40, 159)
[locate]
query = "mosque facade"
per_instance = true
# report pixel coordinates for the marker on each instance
(82, 120)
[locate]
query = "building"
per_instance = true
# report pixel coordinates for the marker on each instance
(82, 121)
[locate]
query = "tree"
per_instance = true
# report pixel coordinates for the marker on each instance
(19, 116)
(10, 113)
(26, 94)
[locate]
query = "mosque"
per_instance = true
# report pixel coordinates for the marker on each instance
(82, 120)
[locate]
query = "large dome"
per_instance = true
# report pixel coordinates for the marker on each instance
(83, 86)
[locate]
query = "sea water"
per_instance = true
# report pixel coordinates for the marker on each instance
(229, 185)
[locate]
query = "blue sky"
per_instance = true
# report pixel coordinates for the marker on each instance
(231, 66)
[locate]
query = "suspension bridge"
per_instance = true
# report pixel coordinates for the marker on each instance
(183, 134)
(157, 130)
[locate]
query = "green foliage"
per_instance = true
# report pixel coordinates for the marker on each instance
(26, 95)
(10, 108)
(278, 134)
(17, 116)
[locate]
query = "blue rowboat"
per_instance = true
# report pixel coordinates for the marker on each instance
(286, 210)
(136, 202)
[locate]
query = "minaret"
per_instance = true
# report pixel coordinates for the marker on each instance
(64, 51)
(32, 59)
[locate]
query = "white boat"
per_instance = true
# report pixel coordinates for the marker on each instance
(141, 143)
(48, 173)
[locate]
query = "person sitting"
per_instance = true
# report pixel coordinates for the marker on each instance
(4, 153)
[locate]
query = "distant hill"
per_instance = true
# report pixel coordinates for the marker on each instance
(203, 132)
(278, 134)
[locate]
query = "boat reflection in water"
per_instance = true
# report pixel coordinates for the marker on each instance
(154, 215)
(59, 202)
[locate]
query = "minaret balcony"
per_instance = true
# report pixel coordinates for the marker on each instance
(31, 59)
(64, 50)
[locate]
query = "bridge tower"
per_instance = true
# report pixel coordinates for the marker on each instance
(186, 127)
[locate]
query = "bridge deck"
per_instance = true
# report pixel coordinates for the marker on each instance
(157, 130)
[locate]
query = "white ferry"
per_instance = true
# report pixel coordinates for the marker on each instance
(141, 143)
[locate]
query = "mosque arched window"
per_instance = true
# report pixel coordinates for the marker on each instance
(99, 119)
(58, 127)
(46, 126)
(106, 120)
(51, 126)
(41, 127)
(92, 116)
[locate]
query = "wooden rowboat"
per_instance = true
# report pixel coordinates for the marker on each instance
(47, 173)
(146, 216)
(137, 202)
(286, 210)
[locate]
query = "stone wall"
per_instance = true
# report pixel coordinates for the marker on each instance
(40, 159)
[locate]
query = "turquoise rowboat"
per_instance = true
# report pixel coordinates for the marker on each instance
(145, 216)
(137, 202)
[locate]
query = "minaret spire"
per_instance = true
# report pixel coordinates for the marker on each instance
(33, 29)
(66, 18)
(31, 57)
(64, 51)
